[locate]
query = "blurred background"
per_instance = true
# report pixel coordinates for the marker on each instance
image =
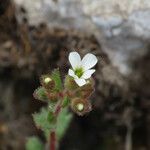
(36, 36)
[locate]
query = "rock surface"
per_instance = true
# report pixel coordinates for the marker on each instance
(122, 27)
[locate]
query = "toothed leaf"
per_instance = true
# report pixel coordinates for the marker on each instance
(41, 120)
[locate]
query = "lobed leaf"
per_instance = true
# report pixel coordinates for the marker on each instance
(41, 120)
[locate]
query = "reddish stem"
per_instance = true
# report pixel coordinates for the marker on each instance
(53, 133)
(53, 140)
(57, 111)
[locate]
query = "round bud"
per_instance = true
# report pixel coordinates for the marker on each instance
(47, 82)
(80, 106)
(70, 84)
(86, 90)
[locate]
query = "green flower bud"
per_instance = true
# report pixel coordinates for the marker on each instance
(81, 106)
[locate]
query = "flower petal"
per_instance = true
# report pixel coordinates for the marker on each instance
(89, 61)
(80, 82)
(87, 74)
(75, 60)
(72, 74)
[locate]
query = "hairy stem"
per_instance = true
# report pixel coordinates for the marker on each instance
(53, 140)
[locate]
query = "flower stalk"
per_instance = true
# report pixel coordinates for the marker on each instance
(53, 140)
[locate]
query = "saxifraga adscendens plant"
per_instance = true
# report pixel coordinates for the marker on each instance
(74, 94)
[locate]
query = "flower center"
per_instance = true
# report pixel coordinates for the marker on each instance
(47, 80)
(80, 107)
(78, 72)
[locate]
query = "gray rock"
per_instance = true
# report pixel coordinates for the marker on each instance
(121, 27)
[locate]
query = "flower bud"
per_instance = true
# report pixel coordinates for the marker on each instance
(47, 82)
(70, 84)
(86, 90)
(81, 106)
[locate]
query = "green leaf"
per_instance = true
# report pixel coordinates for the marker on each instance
(56, 77)
(50, 117)
(34, 143)
(63, 122)
(41, 120)
(40, 94)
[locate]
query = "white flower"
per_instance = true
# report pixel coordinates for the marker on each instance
(81, 69)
